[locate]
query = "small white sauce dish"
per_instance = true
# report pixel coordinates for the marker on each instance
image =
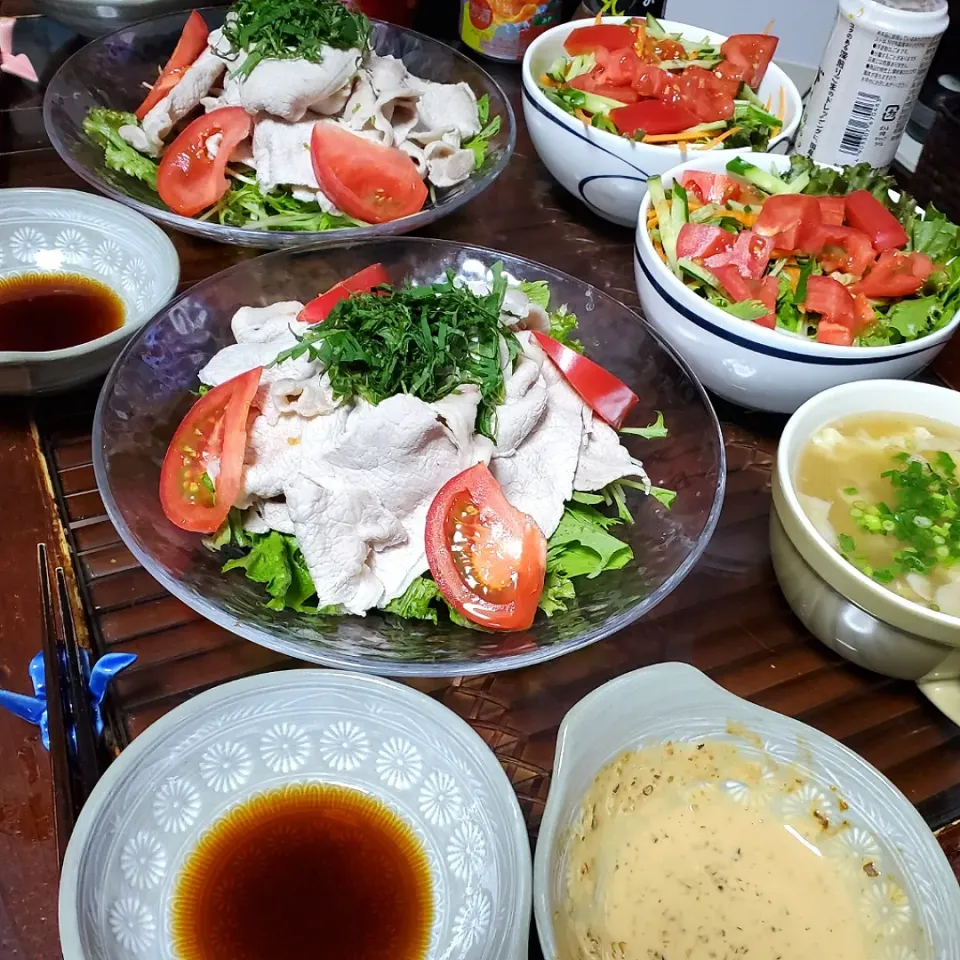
(748, 364)
(264, 733)
(912, 901)
(609, 173)
(841, 606)
(66, 231)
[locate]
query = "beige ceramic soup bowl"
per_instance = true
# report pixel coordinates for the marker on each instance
(842, 607)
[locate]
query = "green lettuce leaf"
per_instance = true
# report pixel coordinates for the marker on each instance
(102, 126)
(935, 236)
(581, 546)
(656, 431)
(490, 128)
(537, 291)
(418, 602)
(246, 205)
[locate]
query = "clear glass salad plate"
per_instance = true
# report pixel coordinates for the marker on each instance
(149, 390)
(110, 72)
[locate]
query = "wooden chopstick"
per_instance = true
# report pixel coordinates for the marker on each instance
(64, 805)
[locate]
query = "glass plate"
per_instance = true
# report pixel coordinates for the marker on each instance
(110, 72)
(148, 392)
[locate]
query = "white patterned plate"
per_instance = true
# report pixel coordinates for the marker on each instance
(66, 231)
(912, 905)
(216, 751)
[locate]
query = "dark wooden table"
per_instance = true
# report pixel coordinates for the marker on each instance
(728, 618)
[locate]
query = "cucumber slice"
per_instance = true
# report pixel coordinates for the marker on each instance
(654, 29)
(768, 182)
(698, 273)
(668, 235)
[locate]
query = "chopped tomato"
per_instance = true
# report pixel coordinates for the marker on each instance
(593, 82)
(787, 218)
(750, 255)
(365, 180)
(189, 179)
(831, 299)
(751, 53)
(361, 282)
(665, 49)
(609, 398)
(487, 558)
(832, 210)
(867, 213)
(213, 435)
(727, 85)
(192, 42)
(704, 96)
(700, 240)
(895, 274)
(670, 89)
(840, 248)
(740, 288)
(834, 334)
(649, 79)
(652, 116)
(710, 187)
(865, 314)
(618, 68)
(607, 36)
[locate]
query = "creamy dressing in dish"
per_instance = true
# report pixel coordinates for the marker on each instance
(664, 865)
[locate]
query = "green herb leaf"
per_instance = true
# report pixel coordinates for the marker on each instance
(102, 126)
(245, 205)
(479, 143)
(655, 431)
(581, 545)
(665, 496)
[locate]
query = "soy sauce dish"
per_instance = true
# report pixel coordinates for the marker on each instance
(78, 276)
(683, 821)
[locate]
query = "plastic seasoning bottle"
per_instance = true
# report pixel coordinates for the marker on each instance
(503, 29)
(870, 75)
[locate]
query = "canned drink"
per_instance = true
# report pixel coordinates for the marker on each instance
(868, 82)
(503, 29)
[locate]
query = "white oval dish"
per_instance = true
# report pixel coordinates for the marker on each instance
(607, 172)
(66, 231)
(676, 702)
(157, 799)
(748, 364)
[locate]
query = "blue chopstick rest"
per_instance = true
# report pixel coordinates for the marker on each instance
(34, 709)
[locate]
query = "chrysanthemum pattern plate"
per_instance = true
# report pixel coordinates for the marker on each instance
(167, 789)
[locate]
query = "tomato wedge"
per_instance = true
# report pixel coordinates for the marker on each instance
(787, 218)
(710, 187)
(487, 558)
(841, 248)
(750, 254)
(704, 95)
(192, 43)
(832, 300)
(213, 431)
(740, 288)
(365, 180)
(594, 82)
(363, 281)
(750, 54)
(609, 398)
(895, 274)
(189, 179)
(608, 36)
(652, 116)
(834, 334)
(700, 240)
(832, 210)
(865, 212)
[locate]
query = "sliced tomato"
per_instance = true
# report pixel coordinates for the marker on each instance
(865, 314)
(609, 398)
(834, 334)
(593, 82)
(750, 53)
(832, 210)
(606, 36)
(652, 116)
(750, 254)
(487, 558)
(787, 218)
(895, 274)
(618, 68)
(213, 431)
(710, 187)
(867, 213)
(832, 300)
(700, 240)
(703, 95)
(192, 42)
(363, 281)
(365, 180)
(188, 179)
(665, 49)
(840, 248)
(739, 288)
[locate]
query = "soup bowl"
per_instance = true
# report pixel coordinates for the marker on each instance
(845, 609)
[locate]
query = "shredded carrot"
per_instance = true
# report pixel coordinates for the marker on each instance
(782, 108)
(683, 151)
(792, 273)
(769, 103)
(723, 136)
(546, 81)
(580, 115)
(599, 18)
(674, 137)
(768, 29)
(641, 38)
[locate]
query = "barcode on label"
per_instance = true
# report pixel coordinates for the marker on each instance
(858, 128)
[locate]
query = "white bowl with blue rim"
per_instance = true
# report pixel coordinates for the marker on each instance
(609, 173)
(50, 231)
(747, 364)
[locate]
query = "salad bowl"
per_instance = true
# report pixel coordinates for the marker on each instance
(149, 390)
(110, 72)
(743, 362)
(609, 172)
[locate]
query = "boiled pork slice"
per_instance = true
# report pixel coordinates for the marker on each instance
(265, 324)
(445, 108)
(603, 458)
